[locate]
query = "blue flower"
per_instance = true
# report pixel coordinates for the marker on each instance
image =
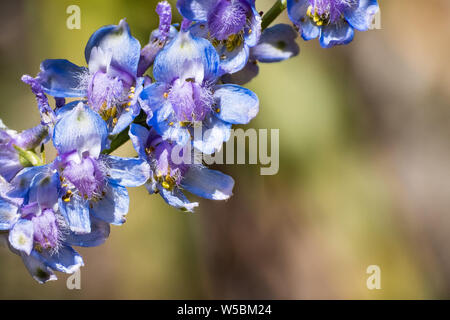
(170, 176)
(37, 231)
(233, 26)
(333, 21)
(276, 44)
(92, 184)
(110, 83)
(14, 146)
(185, 93)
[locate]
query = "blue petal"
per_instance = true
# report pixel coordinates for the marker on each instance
(362, 17)
(76, 214)
(139, 136)
(22, 180)
(21, 236)
(46, 187)
(127, 172)
(207, 183)
(173, 131)
(60, 112)
(9, 162)
(235, 60)
(309, 30)
(187, 57)
(243, 76)
(38, 270)
(113, 207)
(177, 199)
(82, 130)
(124, 120)
(153, 97)
(276, 44)
(62, 78)
(252, 37)
(237, 105)
(65, 259)
(297, 10)
(195, 10)
(336, 34)
(215, 132)
(8, 214)
(118, 41)
(99, 233)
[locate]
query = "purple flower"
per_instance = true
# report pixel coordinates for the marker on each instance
(170, 174)
(233, 26)
(110, 83)
(332, 21)
(37, 230)
(186, 95)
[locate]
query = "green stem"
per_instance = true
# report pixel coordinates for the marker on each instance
(273, 13)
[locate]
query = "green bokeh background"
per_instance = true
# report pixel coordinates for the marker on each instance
(362, 180)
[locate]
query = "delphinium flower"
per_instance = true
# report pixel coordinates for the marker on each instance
(92, 184)
(36, 230)
(276, 44)
(186, 94)
(110, 83)
(233, 26)
(333, 21)
(169, 177)
(17, 149)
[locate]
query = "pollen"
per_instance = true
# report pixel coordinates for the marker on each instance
(218, 110)
(170, 123)
(165, 185)
(165, 95)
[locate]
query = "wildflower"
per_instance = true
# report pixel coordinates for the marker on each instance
(233, 26)
(333, 21)
(186, 93)
(38, 232)
(91, 183)
(110, 83)
(169, 178)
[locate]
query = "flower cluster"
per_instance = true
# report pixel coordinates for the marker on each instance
(197, 69)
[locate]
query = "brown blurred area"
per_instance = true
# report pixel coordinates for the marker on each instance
(364, 173)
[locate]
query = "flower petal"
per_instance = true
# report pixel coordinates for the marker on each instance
(336, 34)
(62, 78)
(207, 183)
(8, 214)
(76, 214)
(98, 235)
(127, 172)
(215, 132)
(117, 41)
(139, 136)
(177, 199)
(22, 181)
(65, 259)
(277, 43)
(21, 236)
(362, 17)
(187, 57)
(113, 207)
(237, 105)
(195, 10)
(243, 76)
(38, 270)
(82, 130)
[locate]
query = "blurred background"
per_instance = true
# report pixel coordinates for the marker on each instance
(364, 173)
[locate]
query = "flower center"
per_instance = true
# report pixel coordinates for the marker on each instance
(325, 12)
(46, 232)
(85, 176)
(190, 100)
(228, 17)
